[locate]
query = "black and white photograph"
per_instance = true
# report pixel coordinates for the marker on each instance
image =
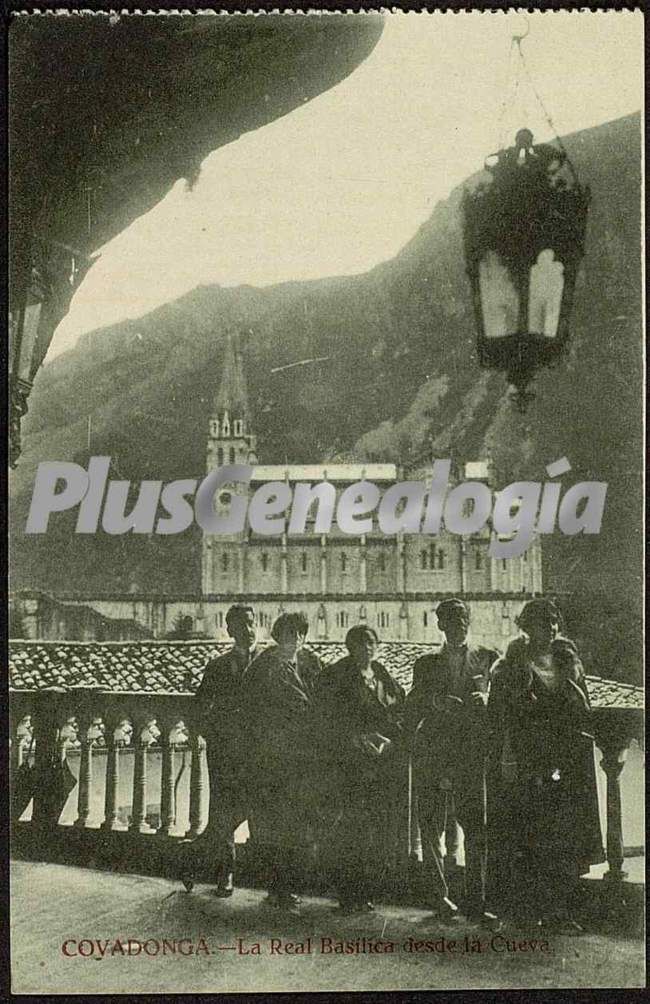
(326, 501)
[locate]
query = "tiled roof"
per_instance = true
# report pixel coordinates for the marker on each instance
(163, 667)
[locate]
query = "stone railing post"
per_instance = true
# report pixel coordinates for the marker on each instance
(141, 743)
(114, 743)
(197, 784)
(614, 730)
(85, 711)
(613, 761)
(166, 722)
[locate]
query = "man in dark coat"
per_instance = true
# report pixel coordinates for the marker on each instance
(219, 718)
(361, 708)
(278, 688)
(447, 719)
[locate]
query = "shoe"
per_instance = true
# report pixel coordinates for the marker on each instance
(445, 910)
(224, 888)
(562, 926)
(287, 901)
(483, 918)
(355, 906)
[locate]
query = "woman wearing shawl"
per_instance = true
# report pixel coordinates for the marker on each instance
(544, 823)
(361, 707)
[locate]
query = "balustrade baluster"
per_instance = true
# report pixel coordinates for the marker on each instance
(139, 811)
(613, 761)
(85, 785)
(114, 744)
(198, 778)
(167, 794)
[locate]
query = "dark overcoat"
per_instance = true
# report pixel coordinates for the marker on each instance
(363, 795)
(219, 712)
(450, 745)
(548, 735)
(278, 704)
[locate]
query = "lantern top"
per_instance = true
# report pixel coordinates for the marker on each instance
(525, 160)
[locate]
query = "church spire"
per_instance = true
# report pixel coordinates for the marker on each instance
(232, 395)
(231, 439)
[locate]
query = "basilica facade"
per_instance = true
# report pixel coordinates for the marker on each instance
(392, 583)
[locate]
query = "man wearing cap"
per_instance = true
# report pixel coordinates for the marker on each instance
(448, 724)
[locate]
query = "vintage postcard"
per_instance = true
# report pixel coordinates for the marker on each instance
(326, 501)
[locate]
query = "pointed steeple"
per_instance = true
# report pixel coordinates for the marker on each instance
(232, 395)
(230, 438)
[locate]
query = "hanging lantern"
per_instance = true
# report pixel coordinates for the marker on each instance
(524, 232)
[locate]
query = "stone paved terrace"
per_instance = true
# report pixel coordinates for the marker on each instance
(54, 902)
(158, 667)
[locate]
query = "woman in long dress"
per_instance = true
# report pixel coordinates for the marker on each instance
(361, 708)
(544, 825)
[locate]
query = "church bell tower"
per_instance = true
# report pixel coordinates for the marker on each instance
(230, 441)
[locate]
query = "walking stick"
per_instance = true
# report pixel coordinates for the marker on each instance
(411, 796)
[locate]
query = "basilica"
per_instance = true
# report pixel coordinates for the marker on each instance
(392, 583)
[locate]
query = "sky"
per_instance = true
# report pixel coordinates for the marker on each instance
(344, 181)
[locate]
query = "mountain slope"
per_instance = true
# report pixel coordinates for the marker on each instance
(401, 383)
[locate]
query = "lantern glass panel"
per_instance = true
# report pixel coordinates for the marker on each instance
(546, 286)
(499, 297)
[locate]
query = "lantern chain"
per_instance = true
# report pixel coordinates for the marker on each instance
(546, 114)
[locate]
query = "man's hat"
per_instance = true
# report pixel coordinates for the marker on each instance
(446, 606)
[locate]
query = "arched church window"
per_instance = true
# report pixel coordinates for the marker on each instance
(224, 562)
(264, 558)
(232, 454)
(344, 562)
(238, 427)
(303, 561)
(220, 456)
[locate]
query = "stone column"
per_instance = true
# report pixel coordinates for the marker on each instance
(113, 746)
(399, 544)
(363, 563)
(139, 810)
(167, 793)
(284, 559)
(197, 785)
(462, 558)
(613, 761)
(85, 786)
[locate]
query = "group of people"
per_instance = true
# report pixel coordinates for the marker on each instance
(343, 759)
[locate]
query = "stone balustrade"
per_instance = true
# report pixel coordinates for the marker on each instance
(141, 772)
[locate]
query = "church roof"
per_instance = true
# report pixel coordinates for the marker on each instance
(232, 395)
(325, 472)
(166, 667)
